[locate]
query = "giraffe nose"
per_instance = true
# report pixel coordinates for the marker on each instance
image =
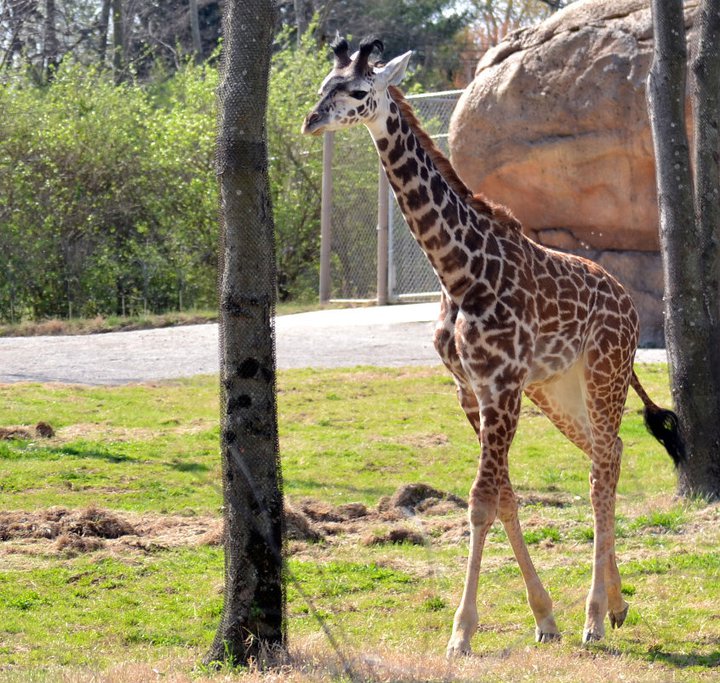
(311, 119)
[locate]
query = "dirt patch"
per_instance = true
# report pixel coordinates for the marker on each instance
(415, 498)
(307, 521)
(58, 521)
(42, 430)
(396, 536)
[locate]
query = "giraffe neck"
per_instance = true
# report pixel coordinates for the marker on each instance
(446, 226)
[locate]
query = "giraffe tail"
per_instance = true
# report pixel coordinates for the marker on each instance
(662, 424)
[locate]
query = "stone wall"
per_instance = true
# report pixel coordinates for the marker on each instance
(555, 127)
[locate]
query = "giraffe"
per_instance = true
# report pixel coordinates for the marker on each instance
(514, 317)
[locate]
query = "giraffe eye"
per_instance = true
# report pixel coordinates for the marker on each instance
(358, 94)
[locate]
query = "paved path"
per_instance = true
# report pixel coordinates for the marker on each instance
(388, 336)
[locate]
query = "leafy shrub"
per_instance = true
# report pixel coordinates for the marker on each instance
(108, 193)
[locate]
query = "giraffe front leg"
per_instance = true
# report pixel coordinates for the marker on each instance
(482, 511)
(498, 413)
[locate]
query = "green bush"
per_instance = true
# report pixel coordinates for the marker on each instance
(101, 199)
(108, 193)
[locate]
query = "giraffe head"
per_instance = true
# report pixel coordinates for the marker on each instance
(355, 91)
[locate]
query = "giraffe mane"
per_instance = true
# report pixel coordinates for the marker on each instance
(476, 201)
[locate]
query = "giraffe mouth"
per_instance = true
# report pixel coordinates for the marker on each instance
(312, 125)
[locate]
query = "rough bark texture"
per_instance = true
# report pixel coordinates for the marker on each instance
(252, 625)
(689, 239)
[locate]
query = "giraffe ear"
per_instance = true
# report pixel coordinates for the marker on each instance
(393, 72)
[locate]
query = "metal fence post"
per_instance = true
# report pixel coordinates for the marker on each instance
(326, 217)
(382, 237)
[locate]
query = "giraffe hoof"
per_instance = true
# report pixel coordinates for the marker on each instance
(617, 619)
(457, 649)
(546, 636)
(592, 635)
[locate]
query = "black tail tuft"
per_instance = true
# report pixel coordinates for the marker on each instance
(664, 426)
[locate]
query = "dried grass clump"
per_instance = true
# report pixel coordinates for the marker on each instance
(414, 498)
(78, 544)
(99, 523)
(58, 521)
(42, 430)
(395, 536)
(299, 528)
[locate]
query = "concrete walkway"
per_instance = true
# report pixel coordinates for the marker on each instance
(385, 336)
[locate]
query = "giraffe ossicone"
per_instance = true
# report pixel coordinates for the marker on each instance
(514, 317)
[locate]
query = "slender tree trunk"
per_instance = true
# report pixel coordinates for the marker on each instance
(103, 24)
(301, 22)
(118, 40)
(689, 234)
(50, 44)
(195, 29)
(252, 625)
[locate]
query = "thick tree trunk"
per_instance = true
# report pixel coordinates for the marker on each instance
(252, 625)
(690, 238)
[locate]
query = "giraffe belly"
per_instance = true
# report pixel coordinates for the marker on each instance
(553, 357)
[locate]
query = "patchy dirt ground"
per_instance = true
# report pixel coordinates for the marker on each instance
(414, 514)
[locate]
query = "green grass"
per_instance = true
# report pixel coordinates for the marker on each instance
(345, 435)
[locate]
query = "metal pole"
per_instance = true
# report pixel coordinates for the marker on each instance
(326, 217)
(382, 237)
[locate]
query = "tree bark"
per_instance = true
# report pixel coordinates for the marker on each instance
(689, 236)
(195, 30)
(301, 20)
(252, 624)
(118, 40)
(50, 43)
(103, 24)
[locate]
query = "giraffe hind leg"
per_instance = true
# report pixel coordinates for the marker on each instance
(607, 374)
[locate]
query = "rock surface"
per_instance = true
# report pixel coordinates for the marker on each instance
(555, 126)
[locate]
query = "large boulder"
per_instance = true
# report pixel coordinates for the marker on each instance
(555, 126)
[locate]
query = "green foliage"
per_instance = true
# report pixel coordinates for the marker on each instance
(108, 193)
(107, 202)
(295, 164)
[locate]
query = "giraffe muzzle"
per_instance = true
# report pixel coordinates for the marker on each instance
(311, 124)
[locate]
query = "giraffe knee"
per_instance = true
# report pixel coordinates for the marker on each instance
(482, 510)
(507, 506)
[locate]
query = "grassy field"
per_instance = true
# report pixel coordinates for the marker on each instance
(111, 568)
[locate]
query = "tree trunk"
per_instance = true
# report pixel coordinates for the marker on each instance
(301, 20)
(103, 24)
(689, 235)
(252, 624)
(195, 29)
(118, 40)
(50, 44)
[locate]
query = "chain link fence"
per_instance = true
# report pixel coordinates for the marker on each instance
(352, 265)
